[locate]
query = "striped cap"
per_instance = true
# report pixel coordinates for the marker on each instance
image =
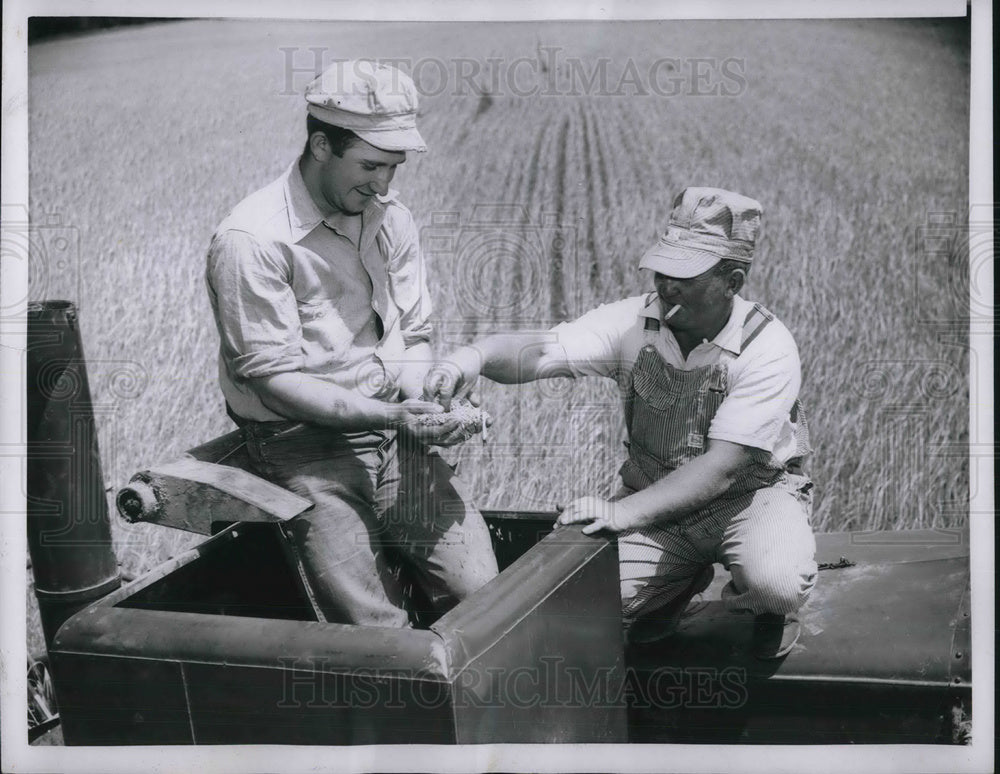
(706, 226)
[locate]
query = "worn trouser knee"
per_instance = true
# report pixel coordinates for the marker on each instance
(769, 548)
(780, 587)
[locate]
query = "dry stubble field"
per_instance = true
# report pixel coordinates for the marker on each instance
(852, 133)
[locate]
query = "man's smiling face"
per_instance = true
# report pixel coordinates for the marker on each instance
(349, 182)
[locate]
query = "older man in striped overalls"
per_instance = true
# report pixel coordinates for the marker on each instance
(717, 437)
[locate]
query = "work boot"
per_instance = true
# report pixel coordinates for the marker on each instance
(663, 621)
(774, 635)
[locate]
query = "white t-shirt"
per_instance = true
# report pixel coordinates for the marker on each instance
(763, 381)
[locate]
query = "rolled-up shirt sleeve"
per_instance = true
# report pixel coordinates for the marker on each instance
(592, 344)
(408, 280)
(254, 305)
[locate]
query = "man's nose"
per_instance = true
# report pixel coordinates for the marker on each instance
(380, 181)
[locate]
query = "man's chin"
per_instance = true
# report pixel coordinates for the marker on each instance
(365, 201)
(350, 211)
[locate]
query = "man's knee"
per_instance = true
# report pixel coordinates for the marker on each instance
(775, 587)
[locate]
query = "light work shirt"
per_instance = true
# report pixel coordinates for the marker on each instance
(339, 299)
(763, 381)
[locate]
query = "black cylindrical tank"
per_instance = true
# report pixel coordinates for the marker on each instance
(69, 534)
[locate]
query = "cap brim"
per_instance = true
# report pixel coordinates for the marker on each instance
(678, 262)
(399, 140)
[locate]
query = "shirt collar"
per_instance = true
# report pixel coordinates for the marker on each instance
(729, 338)
(349, 226)
(304, 215)
(731, 335)
(651, 308)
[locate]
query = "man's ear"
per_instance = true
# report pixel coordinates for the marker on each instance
(319, 146)
(735, 282)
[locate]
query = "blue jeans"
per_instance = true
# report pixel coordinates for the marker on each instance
(373, 490)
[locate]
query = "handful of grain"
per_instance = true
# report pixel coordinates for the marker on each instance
(472, 418)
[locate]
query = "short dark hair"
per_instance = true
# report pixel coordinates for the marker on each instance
(340, 139)
(726, 265)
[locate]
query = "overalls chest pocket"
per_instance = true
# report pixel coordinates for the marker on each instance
(672, 409)
(663, 387)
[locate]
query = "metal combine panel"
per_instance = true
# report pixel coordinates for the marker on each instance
(883, 657)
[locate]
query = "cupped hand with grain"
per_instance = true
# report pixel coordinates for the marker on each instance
(454, 377)
(432, 425)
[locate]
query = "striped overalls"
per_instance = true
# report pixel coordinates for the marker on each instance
(759, 529)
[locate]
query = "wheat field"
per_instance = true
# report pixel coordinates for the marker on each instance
(853, 134)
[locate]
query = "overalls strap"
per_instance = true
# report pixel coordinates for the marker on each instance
(756, 320)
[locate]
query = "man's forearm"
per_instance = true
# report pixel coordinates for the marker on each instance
(298, 396)
(512, 358)
(680, 492)
(690, 487)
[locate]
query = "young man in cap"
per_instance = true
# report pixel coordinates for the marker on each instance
(717, 439)
(317, 286)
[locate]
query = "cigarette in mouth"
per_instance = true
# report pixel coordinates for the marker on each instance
(483, 420)
(672, 312)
